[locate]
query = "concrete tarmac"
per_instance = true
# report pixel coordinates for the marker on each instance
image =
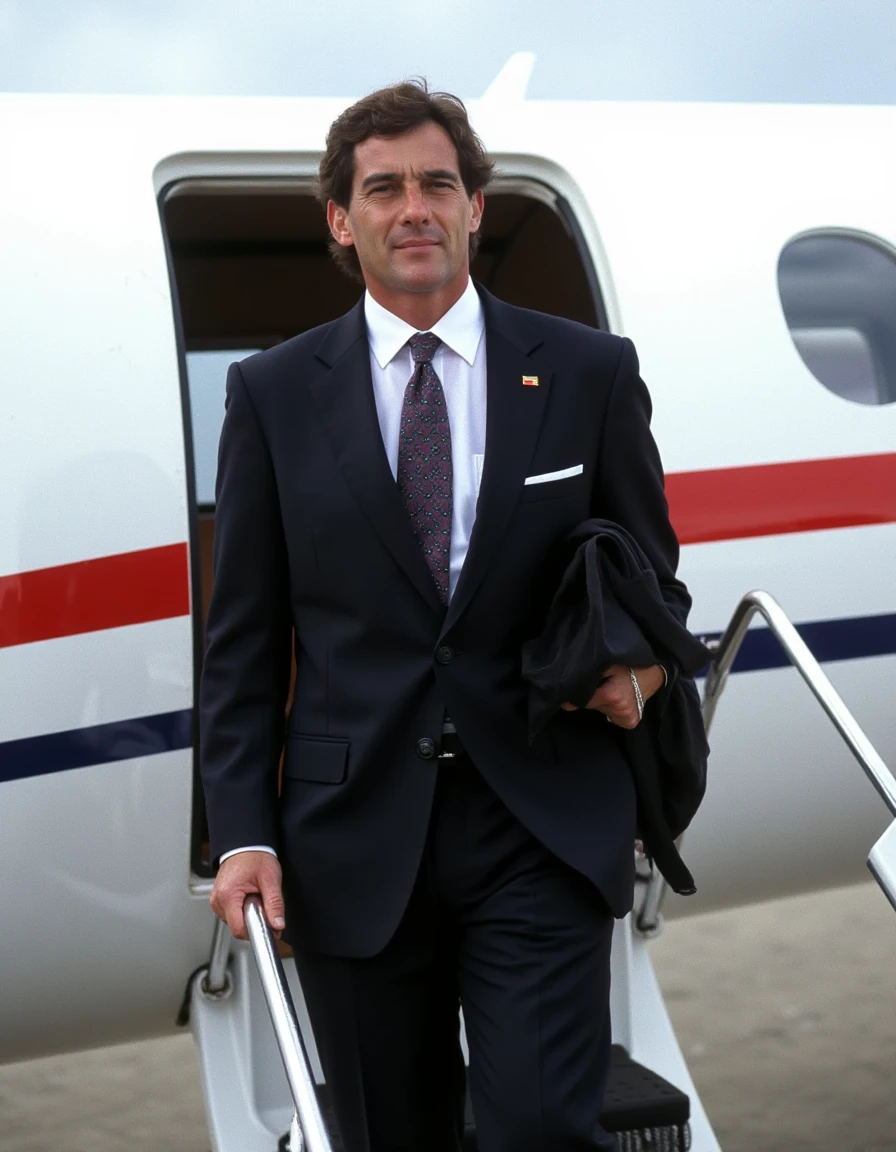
(785, 1011)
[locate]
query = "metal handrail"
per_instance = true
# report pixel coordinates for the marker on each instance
(797, 651)
(296, 1064)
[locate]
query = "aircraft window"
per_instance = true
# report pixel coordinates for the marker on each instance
(206, 377)
(838, 292)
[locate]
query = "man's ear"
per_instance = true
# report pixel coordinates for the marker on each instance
(337, 219)
(478, 205)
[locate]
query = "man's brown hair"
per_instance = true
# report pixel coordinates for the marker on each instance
(393, 111)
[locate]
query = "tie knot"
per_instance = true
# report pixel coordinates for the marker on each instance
(423, 347)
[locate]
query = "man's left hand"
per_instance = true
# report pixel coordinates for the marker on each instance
(616, 695)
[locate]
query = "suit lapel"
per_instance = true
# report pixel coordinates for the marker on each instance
(513, 421)
(347, 408)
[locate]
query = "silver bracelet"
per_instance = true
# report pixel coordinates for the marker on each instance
(639, 699)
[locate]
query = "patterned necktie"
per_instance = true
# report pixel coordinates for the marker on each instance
(424, 460)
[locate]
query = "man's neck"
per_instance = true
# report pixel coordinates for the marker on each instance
(419, 309)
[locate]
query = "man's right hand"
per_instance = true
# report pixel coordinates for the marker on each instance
(242, 875)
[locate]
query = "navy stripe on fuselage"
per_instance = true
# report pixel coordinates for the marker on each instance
(854, 638)
(101, 744)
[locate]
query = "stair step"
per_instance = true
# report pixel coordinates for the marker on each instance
(637, 1098)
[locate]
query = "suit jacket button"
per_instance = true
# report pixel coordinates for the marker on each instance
(445, 655)
(426, 748)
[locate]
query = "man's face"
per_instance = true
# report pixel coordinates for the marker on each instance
(410, 217)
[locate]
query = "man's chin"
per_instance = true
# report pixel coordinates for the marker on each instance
(426, 268)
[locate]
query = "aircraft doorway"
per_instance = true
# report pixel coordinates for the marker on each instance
(251, 268)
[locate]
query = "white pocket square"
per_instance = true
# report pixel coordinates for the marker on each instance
(576, 470)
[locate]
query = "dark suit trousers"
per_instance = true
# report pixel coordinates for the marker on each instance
(499, 924)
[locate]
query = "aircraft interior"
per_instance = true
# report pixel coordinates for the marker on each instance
(251, 268)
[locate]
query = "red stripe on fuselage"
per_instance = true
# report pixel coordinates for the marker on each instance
(717, 504)
(771, 499)
(92, 595)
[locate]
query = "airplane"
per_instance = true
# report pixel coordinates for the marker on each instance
(750, 252)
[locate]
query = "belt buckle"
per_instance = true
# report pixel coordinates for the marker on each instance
(450, 747)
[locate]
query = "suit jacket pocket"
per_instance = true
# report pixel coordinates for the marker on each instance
(554, 489)
(316, 759)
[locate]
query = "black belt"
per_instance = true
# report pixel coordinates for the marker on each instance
(450, 747)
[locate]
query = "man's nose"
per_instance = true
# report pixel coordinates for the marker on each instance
(415, 208)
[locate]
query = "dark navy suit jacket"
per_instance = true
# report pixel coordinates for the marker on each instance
(311, 535)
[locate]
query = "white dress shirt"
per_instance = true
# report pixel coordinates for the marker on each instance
(459, 363)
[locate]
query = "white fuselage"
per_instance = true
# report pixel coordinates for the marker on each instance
(684, 209)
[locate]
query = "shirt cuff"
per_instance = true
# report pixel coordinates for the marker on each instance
(248, 848)
(662, 668)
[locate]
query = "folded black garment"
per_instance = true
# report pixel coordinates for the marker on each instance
(608, 609)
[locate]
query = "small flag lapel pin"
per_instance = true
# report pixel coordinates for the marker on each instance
(530, 381)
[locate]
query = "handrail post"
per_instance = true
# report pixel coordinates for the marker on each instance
(286, 1028)
(649, 920)
(216, 978)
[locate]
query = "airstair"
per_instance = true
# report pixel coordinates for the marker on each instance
(261, 1076)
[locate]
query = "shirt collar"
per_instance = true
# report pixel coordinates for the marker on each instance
(460, 328)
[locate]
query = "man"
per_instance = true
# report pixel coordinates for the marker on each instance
(430, 855)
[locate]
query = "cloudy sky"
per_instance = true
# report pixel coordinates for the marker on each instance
(827, 51)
